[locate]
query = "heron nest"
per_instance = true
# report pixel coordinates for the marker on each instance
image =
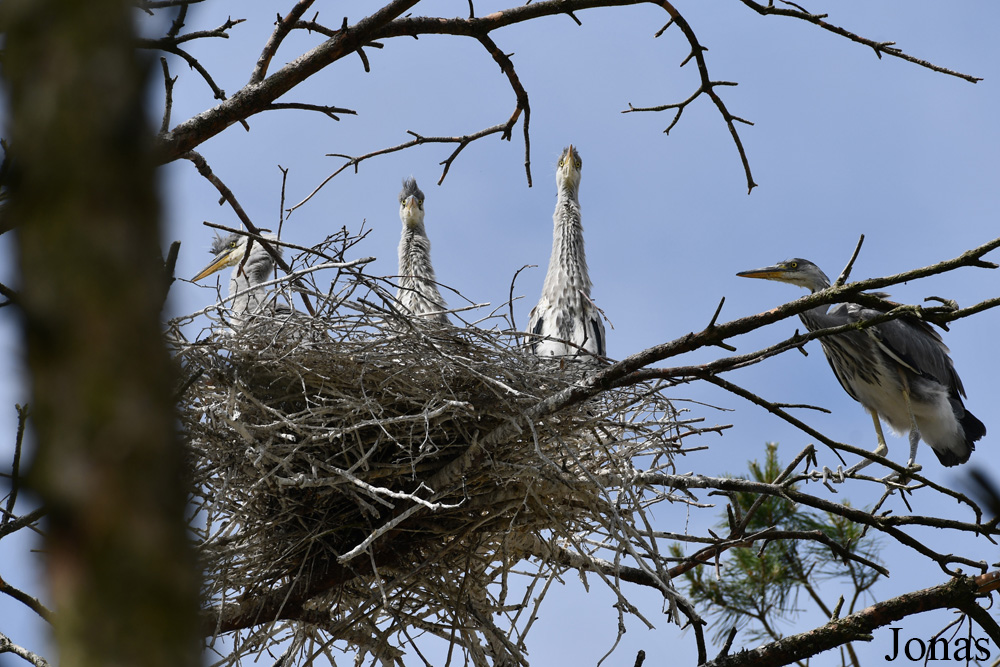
(363, 479)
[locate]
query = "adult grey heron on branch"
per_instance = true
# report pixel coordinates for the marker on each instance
(248, 297)
(898, 370)
(418, 292)
(565, 322)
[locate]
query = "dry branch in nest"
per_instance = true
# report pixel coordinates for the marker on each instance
(325, 452)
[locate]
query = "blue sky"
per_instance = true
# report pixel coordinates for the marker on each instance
(843, 144)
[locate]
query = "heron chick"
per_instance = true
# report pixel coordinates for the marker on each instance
(898, 370)
(418, 293)
(565, 322)
(248, 297)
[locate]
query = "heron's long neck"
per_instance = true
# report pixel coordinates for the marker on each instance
(256, 271)
(418, 292)
(415, 254)
(568, 263)
(818, 317)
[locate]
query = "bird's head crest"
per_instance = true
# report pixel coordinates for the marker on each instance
(224, 242)
(410, 188)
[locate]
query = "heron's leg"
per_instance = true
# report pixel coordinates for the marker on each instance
(914, 431)
(881, 450)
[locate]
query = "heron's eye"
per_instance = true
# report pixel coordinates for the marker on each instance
(578, 163)
(793, 265)
(233, 244)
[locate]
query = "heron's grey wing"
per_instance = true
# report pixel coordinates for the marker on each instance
(597, 331)
(916, 345)
(535, 324)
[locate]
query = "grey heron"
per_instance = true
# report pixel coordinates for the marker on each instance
(565, 312)
(898, 370)
(418, 292)
(248, 297)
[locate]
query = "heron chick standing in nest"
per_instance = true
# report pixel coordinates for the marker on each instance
(248, 297)
(566, 322)
(418, 293)
(898, 370)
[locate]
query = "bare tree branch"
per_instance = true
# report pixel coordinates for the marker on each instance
(284, 26)
(388, 22)
(507, 67)
(254, 98)
(28, 601)
(170, 42)
(25, 521)
(707, 87)
(419, 139)
(15, 467)
(168, 105)
(329, 111)
(887, 48)
(855, 515)
(314, 590)
(858, 626)
(8, 646)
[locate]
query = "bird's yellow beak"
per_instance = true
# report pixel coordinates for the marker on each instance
(411, 208)
(775, 272)
(570, 161)
(221, 261)
(567, 167)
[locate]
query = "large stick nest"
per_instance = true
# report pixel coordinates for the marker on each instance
(398, 452)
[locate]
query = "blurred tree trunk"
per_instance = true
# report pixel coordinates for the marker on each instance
(85, 206)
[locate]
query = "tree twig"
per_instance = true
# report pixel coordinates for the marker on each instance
(284, 26)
